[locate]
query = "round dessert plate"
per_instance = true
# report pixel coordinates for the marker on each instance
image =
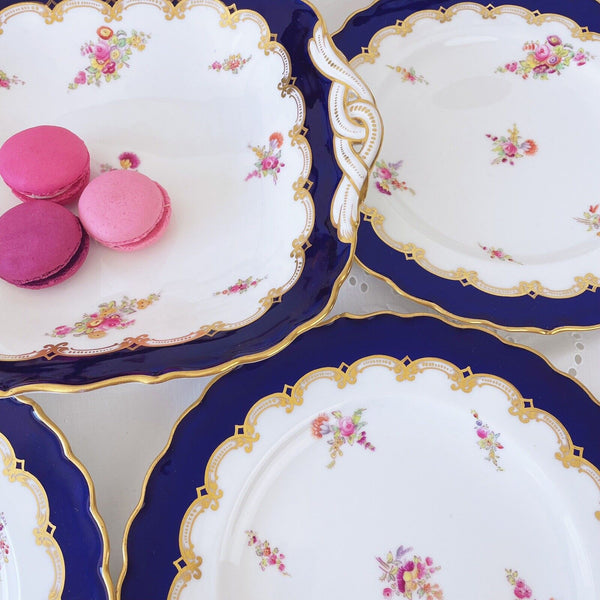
(52, 542)
(402, 450)
(484, 199)
(227, 108)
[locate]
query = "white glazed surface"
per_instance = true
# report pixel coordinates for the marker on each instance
(137, 419)
(462, 205)
(29, 569)
(425, 457)
(192, 127)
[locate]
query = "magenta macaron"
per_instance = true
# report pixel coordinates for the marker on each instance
(45, 163)
(124, 210)
(41, 244)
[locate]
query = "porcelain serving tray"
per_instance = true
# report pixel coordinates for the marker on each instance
(484, 199)
(377, 457)
(227, 108)
(52, 541)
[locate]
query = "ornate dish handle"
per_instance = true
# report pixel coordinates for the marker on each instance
(356, 126)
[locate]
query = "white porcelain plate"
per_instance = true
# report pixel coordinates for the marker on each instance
(487, 173)
(201, 99)
(397, 473)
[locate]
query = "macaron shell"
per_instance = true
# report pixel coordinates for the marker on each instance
(121, 209)
(68, 270)
(43, 161)
(38, 239)
(154, 234)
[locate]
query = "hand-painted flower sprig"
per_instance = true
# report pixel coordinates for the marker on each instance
(109, 315)
(269, 158)
(108, 55)
(386, 178)
(409, 577)
(512, 147)
(546, 58)
(6, 82)
(4, 547)
(591, 218)
(342, 431)
(269, 557)
(234, 63)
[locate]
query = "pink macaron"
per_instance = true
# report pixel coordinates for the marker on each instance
(124, 210)
(45, 163)
(41, 244)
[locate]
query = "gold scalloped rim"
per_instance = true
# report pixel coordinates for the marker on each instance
(587, 283)
(14, 470)
(230, 17)
(406, 369)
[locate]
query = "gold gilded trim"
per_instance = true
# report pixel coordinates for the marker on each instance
(406, 369)
(68, 453)
(586, 283)
(357, 129)
(478, 323)
(230, 17)
(322, 322)
(14, 470)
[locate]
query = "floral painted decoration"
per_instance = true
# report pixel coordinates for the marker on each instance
(127, 160)
(4, 547)
(520, 589)
(269, 557)
(6, 81)
(498, 253)
(268, 161)
(591, 218)
(546, 58)
(240, 287)
(488, 440)
(234, 63)
(109, 315)
(108, 55)
(343, 430)
(511, 148)
(408, 576)
(409, 75)
(386, 178)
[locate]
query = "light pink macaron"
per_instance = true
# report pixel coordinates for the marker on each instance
(45, 163)
(124, 210)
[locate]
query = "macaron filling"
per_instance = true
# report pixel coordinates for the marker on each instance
(62, 196)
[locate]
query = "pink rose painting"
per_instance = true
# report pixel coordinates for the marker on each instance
(109, 316)
(409, 575)
(512, 147)
(7, 81)
(546, 59)
(521, 590)
(234, 63)
(108, 55)
(339, 431)
(268, 158)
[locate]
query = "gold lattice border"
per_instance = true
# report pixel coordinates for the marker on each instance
(588, 282)
(231, 17)
(14, 471)
(406, 369)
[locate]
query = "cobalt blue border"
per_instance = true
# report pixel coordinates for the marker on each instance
(325, 259)
(152, 543)
(465, 302)
(77, 532)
